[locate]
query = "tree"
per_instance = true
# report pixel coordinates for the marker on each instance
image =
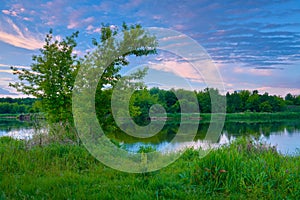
(290, 99)
(277, 103)
(244, 95)
(265, 107)
(142, 100)
(108, 58)
(204, 101)
(51, 77)
(252, 102)
(234, 102)
(297, 100)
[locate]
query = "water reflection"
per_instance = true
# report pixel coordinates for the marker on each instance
(285, 135)
(15, 128)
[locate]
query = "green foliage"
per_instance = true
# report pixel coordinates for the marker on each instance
(17, 105)
(140, 106)
(242, 101)
(292, 99)
(51, 77)
(243, 170)
(265, 107)
(53, 72)
(135, 41)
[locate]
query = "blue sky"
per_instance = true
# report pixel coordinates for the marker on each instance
(255, 44)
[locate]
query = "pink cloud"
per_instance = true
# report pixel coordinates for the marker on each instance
(17, 38)
(179, 27)
(76, 21)
(7, 12)
(181, 69)
(89, 28)
(27, 19)
(252, 71)
(131, 4)
(53, 12)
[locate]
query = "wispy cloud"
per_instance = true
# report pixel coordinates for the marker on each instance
(18, 38)
(76, 23)
(18, 11)
(4, 92)
(5, 66)
(181, 69)
(253, 71)
(4, 89)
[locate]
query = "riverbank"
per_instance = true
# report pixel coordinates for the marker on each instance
(10, 116)
(23, 117)
(243, 170)
(246, 116)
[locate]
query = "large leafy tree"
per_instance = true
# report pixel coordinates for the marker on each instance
(125, 42)
(51, 77)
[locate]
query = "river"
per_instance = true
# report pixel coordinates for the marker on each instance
(285, 135)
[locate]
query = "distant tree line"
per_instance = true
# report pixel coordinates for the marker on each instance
(292, 99)
(17, 105)
(253, 101)
(238, 101)
(142, 100)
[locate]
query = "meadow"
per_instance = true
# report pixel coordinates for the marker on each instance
(245, 169)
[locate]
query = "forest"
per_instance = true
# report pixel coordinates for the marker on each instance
(17, 105)
(142, 100)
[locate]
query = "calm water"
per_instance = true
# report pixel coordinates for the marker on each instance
(284, 135)
(15, 128)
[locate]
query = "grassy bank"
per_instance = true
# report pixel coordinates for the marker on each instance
(9, 115)
(241, 170)
(238, 117)
(248, 116)
(255, 116)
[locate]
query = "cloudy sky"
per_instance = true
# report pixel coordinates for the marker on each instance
(254, 43)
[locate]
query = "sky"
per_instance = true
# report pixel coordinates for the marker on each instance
(255, 44)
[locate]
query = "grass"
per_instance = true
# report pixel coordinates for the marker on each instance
(239, 117)
(9, 115)
(243, 117)
(270, 117)
(243, 170)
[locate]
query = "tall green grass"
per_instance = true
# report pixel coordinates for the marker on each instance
(9, 115)
(271, 117)
(242, 170)
(238, 117)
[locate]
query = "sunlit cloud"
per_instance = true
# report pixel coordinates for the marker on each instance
(4, 80)
(75, 23)
(11, 13)
(282, 91)
(252, 71)
(180, 69)
(5, 93)
(5, 71)
(7, 12)
(18, 38)
(18, 66)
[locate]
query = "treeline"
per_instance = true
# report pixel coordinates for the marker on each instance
(245, 100)
(292, 99)
(238, 101)
(142, 100)
(17, 105)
